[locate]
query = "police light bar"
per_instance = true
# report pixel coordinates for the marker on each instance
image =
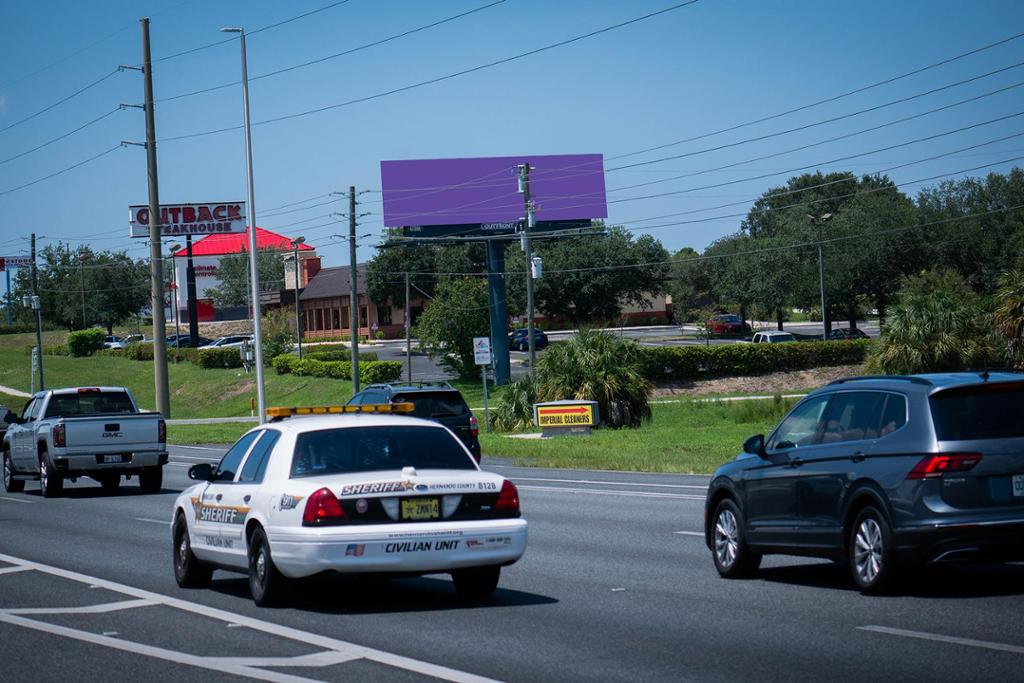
(280, 413)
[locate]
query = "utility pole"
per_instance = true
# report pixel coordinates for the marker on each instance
(39, 315)
(156, 274)
(353, 282)
(408, 330)
(524, 187)
(81, 285)
(298, 326)
(826, 322)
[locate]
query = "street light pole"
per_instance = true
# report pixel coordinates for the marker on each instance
(825, 318)
(261, 394)
(298, 327)
(174, 248)
(81, 285)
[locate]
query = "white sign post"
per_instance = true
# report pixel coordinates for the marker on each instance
(35, 369)
(482, 356)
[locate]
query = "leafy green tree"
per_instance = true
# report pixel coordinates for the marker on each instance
(278, 333)
(689, 284)
(385, 273)
(457, 313)
(1009, 313)
(936, 325)
(233, 272)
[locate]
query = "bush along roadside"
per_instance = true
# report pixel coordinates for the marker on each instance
(204, 358)
(733, 360)
(370, 372)
(340, 354)
(86, 342)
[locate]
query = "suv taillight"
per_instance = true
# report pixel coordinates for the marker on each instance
(161, 431)
(508, 500)
(323, 509)
(59, 436)
(474, 426)
(937, 464)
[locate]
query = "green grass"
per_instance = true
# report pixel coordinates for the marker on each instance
(190, 435)
(13, 403)
(682, 437)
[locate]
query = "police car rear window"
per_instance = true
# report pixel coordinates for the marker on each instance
(371, 449)
(989, 411)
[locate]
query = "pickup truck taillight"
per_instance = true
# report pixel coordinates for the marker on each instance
(59, 436)
(161, 431)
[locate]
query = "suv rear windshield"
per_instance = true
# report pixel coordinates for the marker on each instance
(434, 403)
(371, 449)
(991, 411)
(89, 403)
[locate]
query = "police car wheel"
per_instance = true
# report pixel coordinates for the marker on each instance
(477, 583)
(266, 583)
(189, 571)
(151, 479)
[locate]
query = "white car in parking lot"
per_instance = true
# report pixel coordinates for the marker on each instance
(236, 341)
(352, 490)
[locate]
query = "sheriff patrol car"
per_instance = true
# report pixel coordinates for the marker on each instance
(349, 489)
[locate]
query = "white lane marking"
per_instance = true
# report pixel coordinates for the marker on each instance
(198, 448)
(153, 521)
(329, 658)
(200, 458)
(102, 608)
(210, 663)
(17, 500)
(690, 533)
(213, 663)
(14, 570)
(180, 464)
(603, 492)
(613, 483)
(954, 640)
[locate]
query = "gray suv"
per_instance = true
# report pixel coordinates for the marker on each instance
(880, 473)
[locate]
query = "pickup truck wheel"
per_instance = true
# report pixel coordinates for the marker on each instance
(189, 571)
(266, 583)
(50, 483)
(477, 583)
(151, 479)
(110, 481)
(11, 485)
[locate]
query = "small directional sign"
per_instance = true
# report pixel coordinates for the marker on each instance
(482, 350)
(566, 417)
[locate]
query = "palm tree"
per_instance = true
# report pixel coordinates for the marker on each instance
(1009, 313)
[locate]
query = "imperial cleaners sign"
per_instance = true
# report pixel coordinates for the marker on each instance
(190, 219)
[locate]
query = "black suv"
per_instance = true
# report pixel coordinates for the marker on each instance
(438, 402)
(879, 473)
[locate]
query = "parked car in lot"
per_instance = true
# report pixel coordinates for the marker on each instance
(356, 494)
(520, 339)
(235, 341)
(845, 333)
(772, 337)
(112, 341)
(880, 473)
(727, 323)
(184, 341)
(438, 402)
(96, 432)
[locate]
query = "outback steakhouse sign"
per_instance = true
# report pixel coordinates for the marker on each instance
(190, 219)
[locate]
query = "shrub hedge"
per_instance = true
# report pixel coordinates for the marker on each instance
(730, 360)
(217, 358)
(86, 342)
(339, 354)
(369, 372)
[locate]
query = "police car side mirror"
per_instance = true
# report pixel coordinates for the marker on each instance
(201, 472)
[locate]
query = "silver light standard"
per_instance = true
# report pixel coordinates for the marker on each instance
(174, 248)
(261, 393)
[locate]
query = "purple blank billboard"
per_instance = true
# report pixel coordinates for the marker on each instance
(484, 190)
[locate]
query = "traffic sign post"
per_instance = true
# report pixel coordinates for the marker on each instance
(482, 356)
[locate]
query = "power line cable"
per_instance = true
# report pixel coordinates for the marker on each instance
(333, 56)
(438, 79)
(58, 102)
(61, 171)
(61, 137)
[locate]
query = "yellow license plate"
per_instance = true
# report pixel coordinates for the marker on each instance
(421, 508)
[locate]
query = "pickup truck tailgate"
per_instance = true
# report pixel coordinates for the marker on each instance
(119, 433)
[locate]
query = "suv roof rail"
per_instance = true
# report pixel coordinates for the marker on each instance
(904, 378)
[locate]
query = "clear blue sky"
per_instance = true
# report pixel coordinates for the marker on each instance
(678, 75)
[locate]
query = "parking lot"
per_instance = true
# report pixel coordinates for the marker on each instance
(616, 584)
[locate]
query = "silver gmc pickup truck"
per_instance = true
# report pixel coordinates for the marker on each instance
(97, 432)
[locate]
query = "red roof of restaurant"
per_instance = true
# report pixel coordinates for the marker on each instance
(233, 243)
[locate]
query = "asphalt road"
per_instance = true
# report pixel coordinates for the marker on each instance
(616, 584)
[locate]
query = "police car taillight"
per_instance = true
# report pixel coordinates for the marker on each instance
(323, 509)
(508, 500)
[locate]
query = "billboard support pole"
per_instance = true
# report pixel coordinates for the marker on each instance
(497, 300)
